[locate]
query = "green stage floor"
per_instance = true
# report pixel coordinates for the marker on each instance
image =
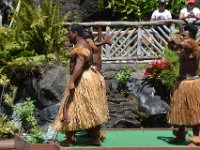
(131, 138)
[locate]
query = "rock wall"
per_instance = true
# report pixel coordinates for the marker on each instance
(81, 10)
(125, 110)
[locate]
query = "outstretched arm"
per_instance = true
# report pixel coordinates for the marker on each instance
(174, 43)
(106, 40)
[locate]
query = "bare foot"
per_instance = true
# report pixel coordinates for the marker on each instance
(192, 145)
(67, 143)
(102, 136)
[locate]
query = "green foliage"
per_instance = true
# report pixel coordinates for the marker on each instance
(164, 71)
(35, 138)
(138, 10)
(26, 115)
(124, 74)
(28, 121)
(176, 6)
(6, 127)
(132, 9)
(169, 76)
(123, 77)
(9, 91)
(8, 94)
(37, 30)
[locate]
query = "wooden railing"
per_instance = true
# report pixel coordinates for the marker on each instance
(134, 41)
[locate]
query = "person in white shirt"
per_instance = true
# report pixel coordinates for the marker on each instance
(161, 13)
(190, 13)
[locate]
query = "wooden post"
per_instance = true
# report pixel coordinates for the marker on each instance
(99, 34)
(139, 44)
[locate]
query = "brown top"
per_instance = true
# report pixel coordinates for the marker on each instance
(189, 58)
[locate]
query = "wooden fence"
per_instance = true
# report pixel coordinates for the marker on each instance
(134, 41)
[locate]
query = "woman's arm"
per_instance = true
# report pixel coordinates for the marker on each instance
(78, 69)
(174, 43)
(106, 40)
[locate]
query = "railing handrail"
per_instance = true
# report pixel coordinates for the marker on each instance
(128, 23)
(132, 41)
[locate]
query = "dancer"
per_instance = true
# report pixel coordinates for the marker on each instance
(185, 102)
(88, 108)
(97, 62)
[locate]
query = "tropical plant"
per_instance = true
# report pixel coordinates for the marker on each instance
(8, 93)
(35, 138)
(25, 113)
(176, 6)
(132, 9)
(123, 77)
(37, 30)
(124, 74)
(6, 127)
(163, 71)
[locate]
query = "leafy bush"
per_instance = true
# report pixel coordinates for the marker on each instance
(132, 9)
(124, 74)
(6, 127)
(35, 138)
(123, 77)
(164, 71)
(25, 114)
(37, 30)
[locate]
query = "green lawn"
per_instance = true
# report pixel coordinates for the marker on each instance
(131, 138)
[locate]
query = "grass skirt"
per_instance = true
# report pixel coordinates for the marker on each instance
(185, 103)
(89, 106)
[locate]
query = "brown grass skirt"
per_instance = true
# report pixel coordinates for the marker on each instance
(185, 103)
(89, 106)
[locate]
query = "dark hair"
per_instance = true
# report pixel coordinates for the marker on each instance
(192, 30)
(88, 34)
(77, 28)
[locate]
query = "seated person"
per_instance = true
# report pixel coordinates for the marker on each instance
(191, 13)
(161, 13)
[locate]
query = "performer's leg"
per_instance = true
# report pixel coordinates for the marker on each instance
(89, 134)
(180, 135)
(195, 139)
(95, 135)
(195, 130)
(71, 139)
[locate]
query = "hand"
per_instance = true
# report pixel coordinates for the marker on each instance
(191, 15)
(67, 44)
(71, 86)
(172, 38)
(93, 68)
(108, 40)
(65, 119)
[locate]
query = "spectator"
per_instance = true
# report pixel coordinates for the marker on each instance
(161, 13)
(190, 13)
